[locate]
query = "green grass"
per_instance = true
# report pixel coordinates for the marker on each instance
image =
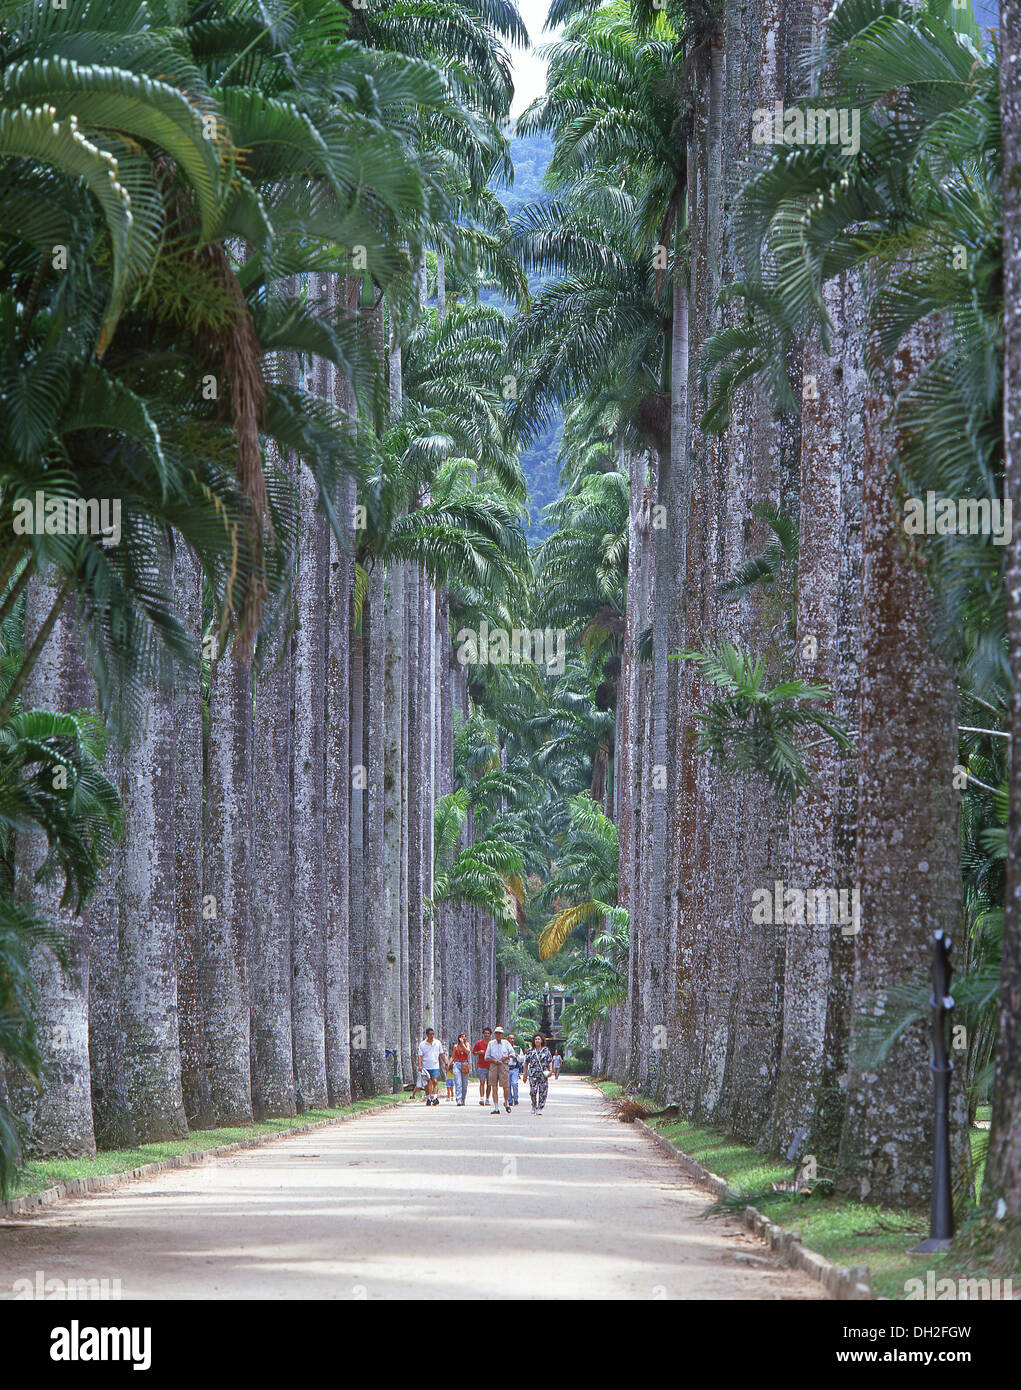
(842, 1230)
(39, 1174)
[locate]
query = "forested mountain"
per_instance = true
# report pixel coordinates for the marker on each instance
(539, 457)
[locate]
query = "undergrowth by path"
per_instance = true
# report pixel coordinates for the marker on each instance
(844, 1231)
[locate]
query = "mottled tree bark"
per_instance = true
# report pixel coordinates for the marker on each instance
(415, 794)
(357, 948)
(624, 743)
(148, 977)
(58, 1118)
(270, 972)
(190, 775)
(393, 764)
(908, 836)
(426, 725)
(227, 891)
(308, 877)
(375, 963)
(339, 758)
(819, 956)
(393, 798)
(110, 1113)
(408, 1062)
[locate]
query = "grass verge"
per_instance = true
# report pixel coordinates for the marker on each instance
(39, 1174)
(842, 1230)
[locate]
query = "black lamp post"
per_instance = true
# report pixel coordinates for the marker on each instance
(941, 1215)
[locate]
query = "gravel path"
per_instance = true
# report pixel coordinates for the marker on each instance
(411, 1203)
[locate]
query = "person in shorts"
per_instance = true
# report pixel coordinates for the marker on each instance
(479, 1051)
(450, 1080)
(432, 1062)
(498, 1053)
(558, 1062)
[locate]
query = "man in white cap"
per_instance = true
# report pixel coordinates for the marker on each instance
(498, 1055)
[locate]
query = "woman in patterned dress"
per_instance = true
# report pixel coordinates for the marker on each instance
(539, 1064)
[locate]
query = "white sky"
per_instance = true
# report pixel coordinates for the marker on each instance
(529, 69)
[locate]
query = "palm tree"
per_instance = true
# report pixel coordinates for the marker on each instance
(148, 981)
(188, 830)
(586, 868)
(227, 890)
(308, 872)
(826, 202)
(58, 1114)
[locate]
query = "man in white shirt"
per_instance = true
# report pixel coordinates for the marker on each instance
(430, 1060)
(498, 1054)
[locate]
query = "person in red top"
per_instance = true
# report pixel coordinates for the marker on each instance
(479, 1051)
(461, 1059)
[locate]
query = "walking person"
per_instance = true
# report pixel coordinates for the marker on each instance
(430, 1061)
(558, 1062)
(462, 1060)
(539, 1063)
(479, 1051)
(498, 1054)
(514, 1069)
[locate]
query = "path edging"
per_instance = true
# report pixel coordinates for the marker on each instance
(845, 1284)
(101, 1182)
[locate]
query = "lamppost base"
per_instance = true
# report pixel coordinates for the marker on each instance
(930, 1246)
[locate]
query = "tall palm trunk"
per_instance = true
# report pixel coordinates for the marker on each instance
(227, 891)
(407, 1061)
(656, 791)
(338, 816)
(415, 793)
(425, 726)
(908, 837)
(624, 743)
(148, 972)
(308, 882)
(339, 758)
(819, 958)
(375, 963)
(1001, 1192)
(641, 800)
(270, 968)
(769, 474)
(357, 949)
(190, 779)
(110, 1112)
(674, 561)
(58, 1118)
(393, 693)
(393, 760)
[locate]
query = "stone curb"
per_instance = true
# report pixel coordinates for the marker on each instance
(846, 1285)
(841, 1283)
(81, 1187)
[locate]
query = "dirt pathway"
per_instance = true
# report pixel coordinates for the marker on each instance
(410, 1203)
